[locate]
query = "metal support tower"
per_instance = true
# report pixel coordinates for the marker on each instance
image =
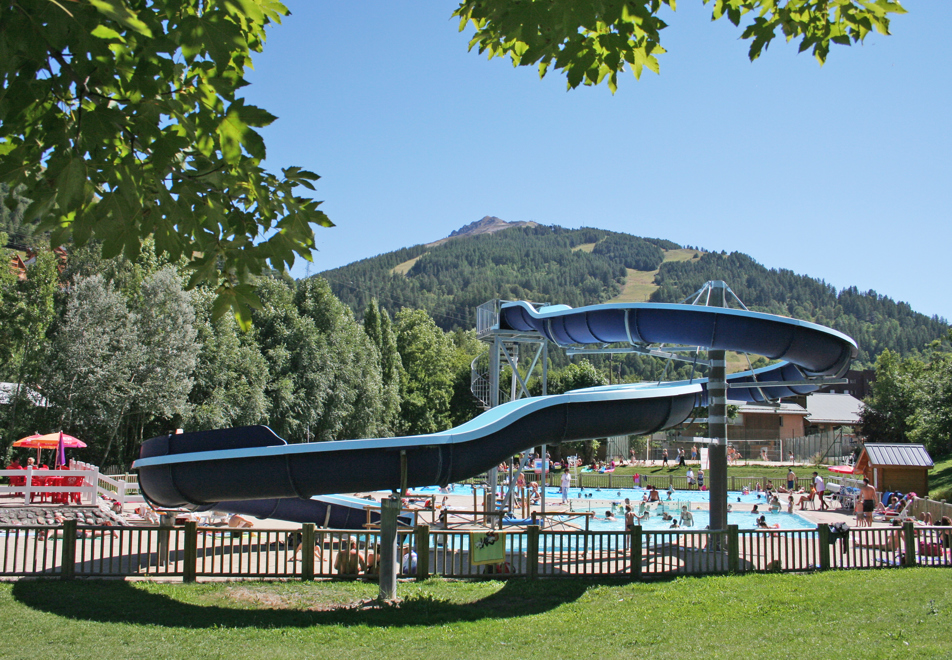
(508, 348)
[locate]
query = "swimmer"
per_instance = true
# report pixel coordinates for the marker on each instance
(687, 518)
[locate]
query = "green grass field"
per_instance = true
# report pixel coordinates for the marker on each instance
(940, 480)
(898, 613)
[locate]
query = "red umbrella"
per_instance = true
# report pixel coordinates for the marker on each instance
(842, 469)
(49, 441)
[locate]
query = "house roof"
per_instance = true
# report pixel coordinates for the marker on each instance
(901, 455)
(770, 409)
(841, 409)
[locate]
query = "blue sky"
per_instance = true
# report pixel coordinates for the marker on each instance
(841, 172)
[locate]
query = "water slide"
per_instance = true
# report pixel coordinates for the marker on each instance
(252, 470)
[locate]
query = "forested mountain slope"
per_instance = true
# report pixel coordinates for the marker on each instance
(586, 266)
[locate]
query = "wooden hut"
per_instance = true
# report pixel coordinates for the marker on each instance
(896, 467)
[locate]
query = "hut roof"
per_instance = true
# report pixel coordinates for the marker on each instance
(900, 455)
(840, 409)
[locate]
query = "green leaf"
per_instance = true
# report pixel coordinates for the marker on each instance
(117, 10)
(71, 184)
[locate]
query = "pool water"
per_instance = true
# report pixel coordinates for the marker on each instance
(598, 500)
(743, 520)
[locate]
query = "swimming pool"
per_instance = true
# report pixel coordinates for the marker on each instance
(598, 500)
(743, 520)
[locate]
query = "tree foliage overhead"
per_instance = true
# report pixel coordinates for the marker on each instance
(595, 40)
(122, 119)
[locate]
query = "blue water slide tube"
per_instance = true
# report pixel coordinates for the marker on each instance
(252, 463)
(807, 350)
(241, 465)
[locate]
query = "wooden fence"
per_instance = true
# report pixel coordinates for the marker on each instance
(191, 552)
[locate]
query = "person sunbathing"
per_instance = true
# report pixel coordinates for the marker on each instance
(349, 561)
(237, 521)
(807, 498)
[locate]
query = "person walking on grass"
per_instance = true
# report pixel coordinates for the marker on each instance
(664, 457)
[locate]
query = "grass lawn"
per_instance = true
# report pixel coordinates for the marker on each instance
(940, 480)
(898, 613)
(778, 473)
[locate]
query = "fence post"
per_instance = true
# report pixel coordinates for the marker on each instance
(166, 523)
(68, 568)
(307, 551)
(532, 552)
(909, 539)
(732, 484)
(733, 549)
(824, 546)
(422, 537)
(190, 552)
(95, 493)
(28, 490)
(636, 552)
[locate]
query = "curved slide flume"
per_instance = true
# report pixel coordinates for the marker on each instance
(806, 350)
(252, 463)
(205, 469)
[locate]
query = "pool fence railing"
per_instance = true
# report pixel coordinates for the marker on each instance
(192, 552)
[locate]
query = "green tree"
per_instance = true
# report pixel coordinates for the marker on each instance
(297, 387)
(932, 419)
(595, 40)
(379, 329)
(888, 412)
(27, 313)
(122, 119)
(230, 377)
(427, 355)
(121, 368)
(165, 331)
(464, 405)
(354, 405)
(90, 378)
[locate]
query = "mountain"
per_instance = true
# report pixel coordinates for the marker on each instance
(491, 258)
(489, 224)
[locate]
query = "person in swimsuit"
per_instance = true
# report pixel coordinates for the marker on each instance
(868, 493)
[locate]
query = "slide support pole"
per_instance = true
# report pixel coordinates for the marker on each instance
(717, 421)
(389, 509)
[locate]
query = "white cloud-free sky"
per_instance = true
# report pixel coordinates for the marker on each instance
(841, 172)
